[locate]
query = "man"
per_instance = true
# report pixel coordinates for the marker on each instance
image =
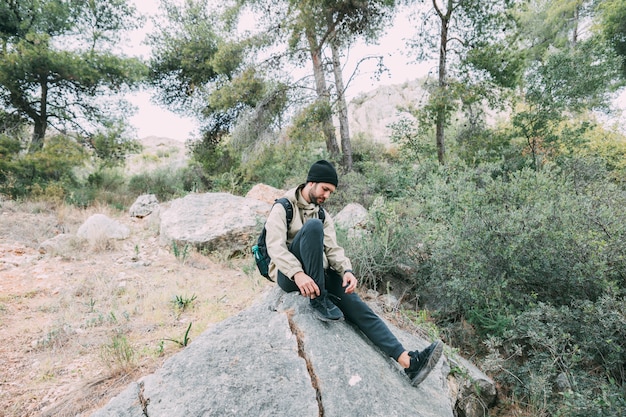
(308, 259)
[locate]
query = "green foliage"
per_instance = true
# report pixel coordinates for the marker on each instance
(105, 185)
(546, 343)
(214, 158)
(536, 262)
(382, 246)
(52, 165)
(520, 239)
(119, 354)
(181, 254)
(307, 125)
(271, 167)
(42, 83)
(575, 78)
(182, 302)
(112, 144)
(414, 143)
(185, 340)
(168, 183)
(612, 17)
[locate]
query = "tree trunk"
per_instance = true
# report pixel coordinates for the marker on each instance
(342, 109)
(322, 93)
(442, 86)
(40, 120)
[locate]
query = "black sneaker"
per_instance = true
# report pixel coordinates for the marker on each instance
(423, 362)
(325, 310)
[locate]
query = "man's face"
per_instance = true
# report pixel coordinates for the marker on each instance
(320, 191)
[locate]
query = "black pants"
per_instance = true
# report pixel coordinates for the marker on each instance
(308, 247)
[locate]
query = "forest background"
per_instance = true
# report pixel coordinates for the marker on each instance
(502, 193)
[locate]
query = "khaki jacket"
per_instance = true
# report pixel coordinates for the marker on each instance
(278, 239)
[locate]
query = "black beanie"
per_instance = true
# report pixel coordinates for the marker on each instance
(322, 171)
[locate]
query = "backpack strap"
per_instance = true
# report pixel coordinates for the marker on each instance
(284, 201)
(288, 209)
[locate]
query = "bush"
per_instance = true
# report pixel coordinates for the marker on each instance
(283, 165)
(54, 163)
(550, 351)
(519, 240)
(167, 183)
(535, 263)
(383, 247)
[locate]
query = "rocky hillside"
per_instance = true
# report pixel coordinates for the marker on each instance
(370, 114)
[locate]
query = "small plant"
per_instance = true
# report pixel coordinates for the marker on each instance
(91, 304)
(182, 302)
(180, 254)
(185, 340)
(119, 355)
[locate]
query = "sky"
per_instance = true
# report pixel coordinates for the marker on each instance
(154, 120)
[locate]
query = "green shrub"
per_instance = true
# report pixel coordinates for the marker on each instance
(283, 165)
(379, 250)
(54, 163)
(165, 183)
(119, 355)
(535, 263)
(546, 344)
(525, 238)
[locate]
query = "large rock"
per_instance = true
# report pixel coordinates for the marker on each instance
(213, 221)
(276, 359)
(351, 216)
(265, 193)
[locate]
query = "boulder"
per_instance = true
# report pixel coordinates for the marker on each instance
(59, 244)
(213, 221)
(351, 216)
(144, 205)
(100, 226)
(276, 359)
(265, 193)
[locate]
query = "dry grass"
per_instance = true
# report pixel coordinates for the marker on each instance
(81, 322)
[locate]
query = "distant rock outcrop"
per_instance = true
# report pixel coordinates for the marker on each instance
(276, 359)
(371, 113)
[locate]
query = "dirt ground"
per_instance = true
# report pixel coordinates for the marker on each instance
(82, 321)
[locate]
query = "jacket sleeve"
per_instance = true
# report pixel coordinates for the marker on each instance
(276, 241)
(335, 254)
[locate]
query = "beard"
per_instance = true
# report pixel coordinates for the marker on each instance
(314, 198)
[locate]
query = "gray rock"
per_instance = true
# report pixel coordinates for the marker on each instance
(213, 221)
(276, 359)
(60, 244)
(100, 226)
(351, 216)
(144, 205)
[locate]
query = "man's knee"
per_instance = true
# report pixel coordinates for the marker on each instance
(313, 226)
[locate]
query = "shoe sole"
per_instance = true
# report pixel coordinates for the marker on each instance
(432, 361)
(321, 317)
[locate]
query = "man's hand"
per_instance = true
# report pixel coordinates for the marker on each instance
(349, 282)
(308, 287)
